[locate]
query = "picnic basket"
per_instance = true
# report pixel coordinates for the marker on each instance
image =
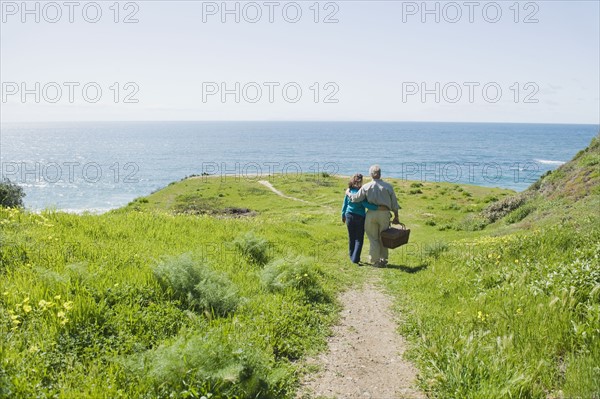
(394, 237)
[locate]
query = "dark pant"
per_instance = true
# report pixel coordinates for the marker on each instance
(356, 235)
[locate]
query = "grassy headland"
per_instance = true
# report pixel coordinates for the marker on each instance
(218, 286)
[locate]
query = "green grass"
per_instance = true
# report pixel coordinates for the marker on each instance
(513, 312)
(180, 295)
(508, 316)
(110, 305)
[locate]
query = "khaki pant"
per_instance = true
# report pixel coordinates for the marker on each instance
(375, 223)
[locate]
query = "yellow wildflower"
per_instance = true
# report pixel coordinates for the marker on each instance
(26, 308)
(481, 316)
(61, 314)
(68, 305)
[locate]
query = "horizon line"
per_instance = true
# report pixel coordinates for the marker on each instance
(296, 121)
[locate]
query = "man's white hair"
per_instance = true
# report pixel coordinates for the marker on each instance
(375, 171)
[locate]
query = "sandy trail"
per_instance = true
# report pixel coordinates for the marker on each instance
(364, 358)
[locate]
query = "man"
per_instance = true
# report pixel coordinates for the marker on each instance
(380, 193)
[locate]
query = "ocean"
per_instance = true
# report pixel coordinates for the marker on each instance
(98, 166)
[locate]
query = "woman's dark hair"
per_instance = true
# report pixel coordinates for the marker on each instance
(355, 181)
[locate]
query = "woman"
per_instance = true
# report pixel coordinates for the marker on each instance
(353, 214)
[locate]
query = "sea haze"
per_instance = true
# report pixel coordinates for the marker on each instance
(103, 165)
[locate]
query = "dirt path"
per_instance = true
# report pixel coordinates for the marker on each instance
(281, 194)
(270, 186)
(364, 359)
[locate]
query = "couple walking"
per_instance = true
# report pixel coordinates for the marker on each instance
(379, 198)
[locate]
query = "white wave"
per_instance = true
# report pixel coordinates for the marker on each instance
(549, 162)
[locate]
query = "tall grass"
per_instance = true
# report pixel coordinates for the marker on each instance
(196, 286)
(510, 316)
(300, 273)
(107, 306)
(254, 248)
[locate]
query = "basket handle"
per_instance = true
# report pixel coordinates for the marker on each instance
(400, 224)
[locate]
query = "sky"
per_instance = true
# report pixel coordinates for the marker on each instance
(479, 61)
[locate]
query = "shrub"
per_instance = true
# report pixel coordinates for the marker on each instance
(195, 204)
(538, 183)
(436, 249)
(11, 195)
(140, 200)
(502, 208)
(452, 207)
(211, 365)
(299, 273)
(519, 214)
(445, 227)
(490, 198)
(471, 223)
(590, 160)
(253, 248)
(196, 285)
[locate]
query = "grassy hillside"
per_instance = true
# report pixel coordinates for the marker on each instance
(219, 286)
(181, 294)
(514, 313)
(111, 305)
(575, 180)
